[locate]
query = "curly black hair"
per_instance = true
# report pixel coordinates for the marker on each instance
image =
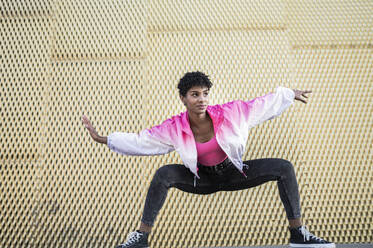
(191, 79)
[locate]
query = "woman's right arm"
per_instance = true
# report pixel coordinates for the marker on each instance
(92, 131)
(102, 140)
(143, 143)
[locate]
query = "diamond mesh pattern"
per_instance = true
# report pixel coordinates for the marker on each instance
(119, 62)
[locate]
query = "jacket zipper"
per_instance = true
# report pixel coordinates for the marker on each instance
(242, 172)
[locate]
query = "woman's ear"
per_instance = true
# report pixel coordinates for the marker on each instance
(182, 99)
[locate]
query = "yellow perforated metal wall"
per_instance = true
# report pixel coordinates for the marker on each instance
(119, 62)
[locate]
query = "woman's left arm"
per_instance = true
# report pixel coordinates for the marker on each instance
(269, 106)
(299, 93)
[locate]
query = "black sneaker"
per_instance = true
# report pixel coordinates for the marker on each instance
(301, 237)
(136, 239)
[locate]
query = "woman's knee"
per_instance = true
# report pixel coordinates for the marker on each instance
(286, 166)
(169, 174)
(161, 174)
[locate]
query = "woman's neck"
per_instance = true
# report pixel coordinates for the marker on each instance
(197, 120)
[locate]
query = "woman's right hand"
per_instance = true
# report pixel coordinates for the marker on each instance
(92, 131)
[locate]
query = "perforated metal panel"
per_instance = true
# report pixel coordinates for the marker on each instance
(335, 24)
(119, 62)
(24, 61)
(104, 30)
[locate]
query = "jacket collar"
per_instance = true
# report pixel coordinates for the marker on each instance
(214, 112)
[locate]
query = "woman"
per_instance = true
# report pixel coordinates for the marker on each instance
(211, 141)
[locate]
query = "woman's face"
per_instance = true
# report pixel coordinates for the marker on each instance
(196, 99)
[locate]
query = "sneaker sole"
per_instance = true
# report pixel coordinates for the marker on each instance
(313, 245)
(146, 247)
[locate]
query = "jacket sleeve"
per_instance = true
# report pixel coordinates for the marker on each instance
(143, 144)
(267, 107)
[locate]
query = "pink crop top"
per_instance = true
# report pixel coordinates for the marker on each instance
(210, 153)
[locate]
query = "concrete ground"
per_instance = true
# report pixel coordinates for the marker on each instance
(287, 246)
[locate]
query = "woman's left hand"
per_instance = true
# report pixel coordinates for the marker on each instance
(299, 93)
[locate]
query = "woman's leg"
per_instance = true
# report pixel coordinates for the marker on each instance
(259, 171)
(167, 176)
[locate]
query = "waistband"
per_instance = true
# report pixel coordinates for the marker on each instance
(216, 169)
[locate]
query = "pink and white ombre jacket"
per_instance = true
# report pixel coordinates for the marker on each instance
(231, 121)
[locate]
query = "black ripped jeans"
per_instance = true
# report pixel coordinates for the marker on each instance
(258, 171)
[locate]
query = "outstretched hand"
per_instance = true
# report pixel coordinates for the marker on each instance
(91, 129)
(299, 93)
